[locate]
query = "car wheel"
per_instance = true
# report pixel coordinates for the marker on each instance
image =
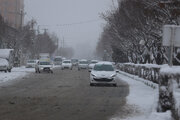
(9, 70)
(51, 71)
(115, 85)
(5, 71)
(39, 71)
(91, 84)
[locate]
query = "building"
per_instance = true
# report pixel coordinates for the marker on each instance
(12, 12)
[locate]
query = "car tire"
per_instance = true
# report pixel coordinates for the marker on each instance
(39, 71)
(9, 70)
(51, 71)
(115, 85)
(91, 84)
(5, 71)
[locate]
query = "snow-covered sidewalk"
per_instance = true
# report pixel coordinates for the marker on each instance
(144, 98)
(19, 72)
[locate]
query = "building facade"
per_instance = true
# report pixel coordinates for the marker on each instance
(13, 12)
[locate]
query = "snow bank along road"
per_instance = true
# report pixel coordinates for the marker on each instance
(64, 95)
(143, 98)
(15, 74)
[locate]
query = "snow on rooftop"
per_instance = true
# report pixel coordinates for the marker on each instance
(4, 53)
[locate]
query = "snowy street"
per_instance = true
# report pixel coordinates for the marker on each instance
(140, 104)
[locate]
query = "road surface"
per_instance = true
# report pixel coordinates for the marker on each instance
(64, 95)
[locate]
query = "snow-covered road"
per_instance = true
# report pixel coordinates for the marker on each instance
(144, 98)
(16, 73)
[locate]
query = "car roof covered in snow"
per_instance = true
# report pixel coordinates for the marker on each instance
(4, 53)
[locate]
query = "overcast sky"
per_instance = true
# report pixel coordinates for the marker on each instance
(82, 37)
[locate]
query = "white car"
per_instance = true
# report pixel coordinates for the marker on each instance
(4, 65)
(92, 64)
(31, 63)
(83, 64)
(58, 60)
(66, 64)
(44, 66)
(103, 73)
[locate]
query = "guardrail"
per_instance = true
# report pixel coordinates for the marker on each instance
(168, 79)
(146, 71)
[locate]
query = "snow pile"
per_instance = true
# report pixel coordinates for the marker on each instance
(166, 70)
(176, 95)
(173, 74)
(16, 73)
(146, 65)
(145, 98)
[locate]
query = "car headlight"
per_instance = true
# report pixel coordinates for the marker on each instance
(93, 75)
(114, 75)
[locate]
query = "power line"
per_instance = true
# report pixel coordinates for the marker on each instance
(75, 23)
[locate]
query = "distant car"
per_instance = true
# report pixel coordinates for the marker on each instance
(66, 64)
(83, 64)
(58, 60)
(103, 73)
(44, 65)
(4, 65)
(74, 62)
(31, 63)
(92, 64)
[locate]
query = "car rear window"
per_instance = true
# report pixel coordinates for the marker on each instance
(103, 67)
(44, 63)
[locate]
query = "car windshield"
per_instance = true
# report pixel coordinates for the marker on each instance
(31, 61)
(94, 62)
(58, 59)
(74, 60)
(66, 62)
(103, 67)
(44, 63)
(83, 62)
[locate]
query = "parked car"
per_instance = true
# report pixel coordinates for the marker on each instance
(44, 65)
(103, 73)
(31, 63)
(58, 60)
(92, 64)
(8, 54)
(83, 64)
(74, 62)
(4, 65)
(66, 64)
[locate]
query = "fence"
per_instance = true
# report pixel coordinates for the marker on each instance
(168, 79)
